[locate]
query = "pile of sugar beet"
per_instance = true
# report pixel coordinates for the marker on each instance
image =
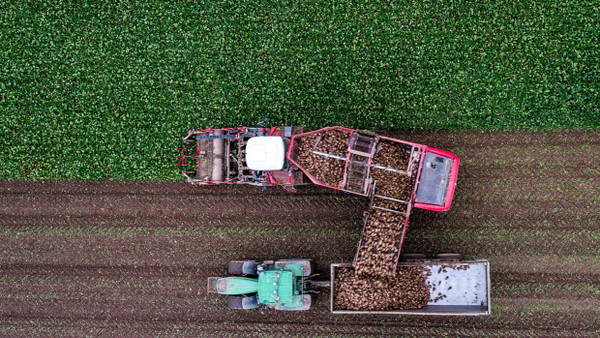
(372, 284)
(327, 170)
(407, 290)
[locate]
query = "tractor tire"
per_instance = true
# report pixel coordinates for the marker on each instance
(306, 306)
(413, 257)
(235, 268)
(235, 302)
(311, 264)
(449, 257)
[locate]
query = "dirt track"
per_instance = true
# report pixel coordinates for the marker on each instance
(133, 258)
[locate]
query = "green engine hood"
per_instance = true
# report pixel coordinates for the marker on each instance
(236, 285)
(276, 287)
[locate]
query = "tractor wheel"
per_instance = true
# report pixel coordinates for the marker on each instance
(235, 268)
(308, 263)
(235, 302)
(305, 306)
(242, 302)
(413, 257)
(449, 257)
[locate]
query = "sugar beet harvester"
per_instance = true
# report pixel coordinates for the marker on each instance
(291, 156)
(396, 175)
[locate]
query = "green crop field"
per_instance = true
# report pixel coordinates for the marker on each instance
(93, 91)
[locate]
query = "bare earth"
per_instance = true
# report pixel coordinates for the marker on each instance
(117, 258)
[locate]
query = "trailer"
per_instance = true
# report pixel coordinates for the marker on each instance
(451, 286)
(455, 288)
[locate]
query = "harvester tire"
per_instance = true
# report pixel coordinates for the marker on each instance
(449, 257)
(235, 302)
(235, 268)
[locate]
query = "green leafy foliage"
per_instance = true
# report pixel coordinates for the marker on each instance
(93, 91)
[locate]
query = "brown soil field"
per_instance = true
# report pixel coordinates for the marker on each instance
(132, 258)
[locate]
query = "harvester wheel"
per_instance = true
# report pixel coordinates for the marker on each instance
(235, 302)
(235, 268)
(449, 257)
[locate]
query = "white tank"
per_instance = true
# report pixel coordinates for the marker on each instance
(265, 153)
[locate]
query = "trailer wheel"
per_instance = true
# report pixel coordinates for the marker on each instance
(413, 257)
(235, 268)
(449, 257)
(235, 302)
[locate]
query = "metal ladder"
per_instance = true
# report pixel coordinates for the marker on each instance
(357, 173)
(357, 170)
(362, 145)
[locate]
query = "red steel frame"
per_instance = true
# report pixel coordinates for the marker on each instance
(425, 149)
(451, 181)
(312, 178)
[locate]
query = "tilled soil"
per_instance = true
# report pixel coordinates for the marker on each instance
(408, 290)
(132, 258)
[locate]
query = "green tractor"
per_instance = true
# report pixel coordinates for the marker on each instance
(282, 285)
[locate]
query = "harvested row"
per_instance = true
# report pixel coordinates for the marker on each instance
(407, 290)
(380, 244)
